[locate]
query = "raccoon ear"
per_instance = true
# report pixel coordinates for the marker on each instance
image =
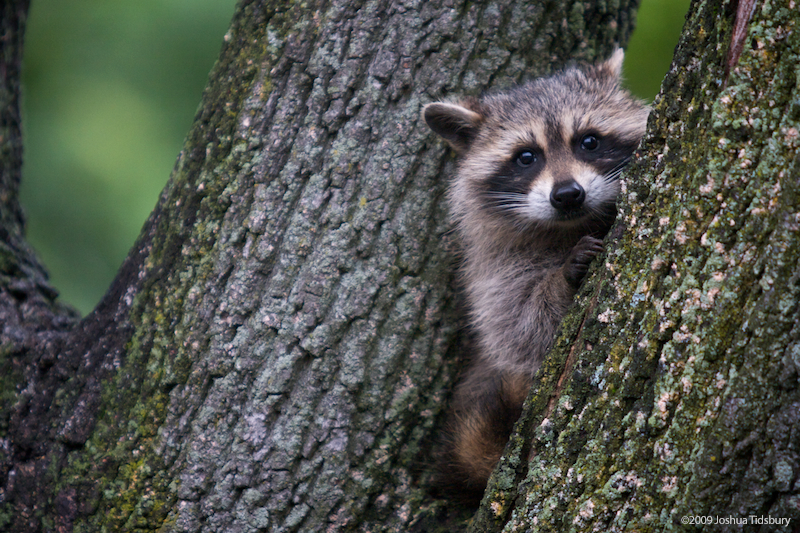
(457, 124)
(612, 67)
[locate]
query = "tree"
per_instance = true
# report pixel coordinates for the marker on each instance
(673, 391)
(276, 350)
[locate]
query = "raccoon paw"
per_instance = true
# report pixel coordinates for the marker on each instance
(580, 258)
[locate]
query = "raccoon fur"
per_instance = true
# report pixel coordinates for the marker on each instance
(533, 196)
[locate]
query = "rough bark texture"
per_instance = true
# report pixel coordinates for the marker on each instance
(673, 391)
(12, 25)
(272, 355)
(31, 321)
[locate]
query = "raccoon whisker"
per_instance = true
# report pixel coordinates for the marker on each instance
(501, 199)
(503, 205)
(506, 201)
(614, 173)
(504, 195)
(518, 218)
(620, 165)
(513, 209)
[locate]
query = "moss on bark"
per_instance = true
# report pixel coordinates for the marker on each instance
(681, 359)
(273, 354)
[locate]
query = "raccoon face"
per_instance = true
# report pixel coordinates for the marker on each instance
(549, 152)
(557, 175)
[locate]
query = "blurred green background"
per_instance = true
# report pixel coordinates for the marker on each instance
(110, 91)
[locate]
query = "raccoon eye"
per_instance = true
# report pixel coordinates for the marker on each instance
(589, 142)
(526, 158)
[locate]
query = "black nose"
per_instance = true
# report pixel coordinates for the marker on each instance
(567, 196)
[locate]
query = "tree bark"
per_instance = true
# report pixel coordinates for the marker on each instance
(673, 389)
(273, 354)
(31, 319)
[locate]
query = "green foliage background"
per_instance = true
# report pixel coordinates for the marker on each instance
(110, 90)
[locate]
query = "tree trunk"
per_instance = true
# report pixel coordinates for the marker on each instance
(672, 393)
(273, 354)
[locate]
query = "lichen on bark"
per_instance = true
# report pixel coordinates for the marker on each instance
(273, 354)
(681, 389)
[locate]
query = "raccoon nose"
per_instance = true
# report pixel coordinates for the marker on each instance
(567, 196)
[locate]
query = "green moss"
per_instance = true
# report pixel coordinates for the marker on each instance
(695, 305)
(135, 490)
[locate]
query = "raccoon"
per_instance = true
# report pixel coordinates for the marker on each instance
(533, 196)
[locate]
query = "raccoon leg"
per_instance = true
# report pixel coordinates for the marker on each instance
(487, 405)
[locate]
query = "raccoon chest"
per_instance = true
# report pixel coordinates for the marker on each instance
(516, 312)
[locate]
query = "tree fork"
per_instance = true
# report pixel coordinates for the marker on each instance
(272, 353)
